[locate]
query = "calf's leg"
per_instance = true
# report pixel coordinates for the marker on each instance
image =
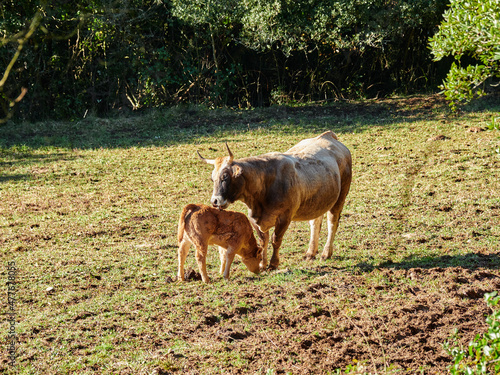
(222, 256)
(201, 259)
(182, 254)
(229, 257)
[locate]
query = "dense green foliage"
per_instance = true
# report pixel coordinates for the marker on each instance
(483, 354)
(470, 29)
(103, 55)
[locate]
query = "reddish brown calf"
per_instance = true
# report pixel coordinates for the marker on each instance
(202, 226)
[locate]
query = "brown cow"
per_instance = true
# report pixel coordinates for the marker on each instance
(311, 178)
(202, 225)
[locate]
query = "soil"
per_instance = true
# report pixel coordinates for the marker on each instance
(310, 331)
(192, 275)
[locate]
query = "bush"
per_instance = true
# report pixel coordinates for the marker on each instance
(470, 29)
(100, 56)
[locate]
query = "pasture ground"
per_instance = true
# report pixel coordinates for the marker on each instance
(89, 214)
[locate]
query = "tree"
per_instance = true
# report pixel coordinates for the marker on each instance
(470, 29)
(7, 101)
(25, 26)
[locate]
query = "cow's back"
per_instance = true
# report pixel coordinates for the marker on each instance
(321, 164)
(325, 146)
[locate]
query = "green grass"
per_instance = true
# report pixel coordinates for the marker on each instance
(90, 209)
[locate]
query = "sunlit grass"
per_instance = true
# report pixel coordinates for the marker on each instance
(90, 210)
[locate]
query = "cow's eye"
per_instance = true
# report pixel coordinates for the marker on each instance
(225, 177)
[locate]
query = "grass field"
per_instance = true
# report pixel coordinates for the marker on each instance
(89, 214)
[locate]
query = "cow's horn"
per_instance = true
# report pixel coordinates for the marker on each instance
(208, 161)
(231, 157)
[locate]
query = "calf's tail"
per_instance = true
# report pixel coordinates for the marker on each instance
(186, 212)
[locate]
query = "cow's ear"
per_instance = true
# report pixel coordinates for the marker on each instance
(237, 171)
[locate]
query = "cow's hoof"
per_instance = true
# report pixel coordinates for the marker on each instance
(325, 257)
(309, 257)
(272, 267)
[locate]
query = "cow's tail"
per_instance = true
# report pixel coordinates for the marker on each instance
(187, 211)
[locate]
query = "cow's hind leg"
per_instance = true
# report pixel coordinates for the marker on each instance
(333, 223)
(182, 254)
(314, 242)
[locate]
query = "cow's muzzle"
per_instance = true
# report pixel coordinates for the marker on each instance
(219, 202)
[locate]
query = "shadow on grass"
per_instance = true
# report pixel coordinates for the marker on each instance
(470, 261)
(12, 157)
(190, 124)
(15, 177)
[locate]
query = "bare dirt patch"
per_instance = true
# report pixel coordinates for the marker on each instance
(332, 323)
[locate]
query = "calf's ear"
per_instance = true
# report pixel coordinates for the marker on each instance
(237, 171)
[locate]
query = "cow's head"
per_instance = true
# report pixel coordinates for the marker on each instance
(227, 178)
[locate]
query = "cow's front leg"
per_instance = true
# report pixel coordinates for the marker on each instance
(279, 231)
(314, 242)
(264, 241)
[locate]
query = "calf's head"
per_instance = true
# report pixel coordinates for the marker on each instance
(228, 180)
(253, 262)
